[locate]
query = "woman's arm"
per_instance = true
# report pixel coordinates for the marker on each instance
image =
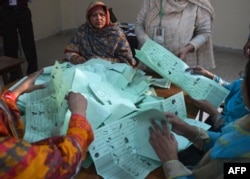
(55, 157)
(123, 51)
(72, 50)
(140, 23)
(202, 28)
(58, 156)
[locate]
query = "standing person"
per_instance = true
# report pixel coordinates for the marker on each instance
(16, 18)
(232, 144)
(98, 37)
(185, 27)
(54, 157)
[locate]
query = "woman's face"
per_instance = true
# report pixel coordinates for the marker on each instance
(98, 18)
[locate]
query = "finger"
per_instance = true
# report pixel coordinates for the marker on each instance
(169, 115)
(172, 136)
(156, 127)
(36, 74)
(152, 134)
(189, 69)
(41, 86)
(165, 130)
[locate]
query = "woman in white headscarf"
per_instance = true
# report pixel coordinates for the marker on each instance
(185, 27)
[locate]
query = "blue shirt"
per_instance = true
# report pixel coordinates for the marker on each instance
(234, 106)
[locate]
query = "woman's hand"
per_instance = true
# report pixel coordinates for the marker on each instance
(181, 53)
(198, 70)
(180, 127)
(77, 59)
(163, 142)
(28, 85)
(77, 103)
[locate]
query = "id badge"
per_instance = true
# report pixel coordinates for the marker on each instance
(159, 34)
(12, 2)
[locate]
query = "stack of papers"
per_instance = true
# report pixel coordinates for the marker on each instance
(121, 102)
(113, 91)
(121, 148)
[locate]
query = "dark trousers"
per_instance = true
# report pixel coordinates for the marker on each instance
(18, 20)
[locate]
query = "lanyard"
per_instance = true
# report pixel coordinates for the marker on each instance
(161, 13)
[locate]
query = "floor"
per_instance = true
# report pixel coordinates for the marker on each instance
(229, 62)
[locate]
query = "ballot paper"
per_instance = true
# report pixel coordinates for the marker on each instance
(174, 104)
(113, 91)
(121, 148)
(172, 68)
(46, 108)
(114, 154)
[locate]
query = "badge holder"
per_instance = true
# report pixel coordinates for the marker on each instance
(159, 34)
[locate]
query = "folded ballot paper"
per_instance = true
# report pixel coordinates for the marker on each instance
(172, 68)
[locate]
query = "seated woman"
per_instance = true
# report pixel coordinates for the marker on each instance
(234, 106)
(232, 144)
(98, 37)
(54, 157)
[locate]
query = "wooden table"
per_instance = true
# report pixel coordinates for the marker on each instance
(91, 173)
(157, 173)
(8, 64)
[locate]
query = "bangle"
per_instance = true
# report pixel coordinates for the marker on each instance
(198, 134)
(213, 76)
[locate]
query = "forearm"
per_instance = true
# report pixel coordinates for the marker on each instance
(202, 28)
(174, 169)
(72, 49)
(140, 23)
(81, 131)
(10, 99)
(221, 81)
(141, 34)
(199, 40)
(50, 156)
(124, 53)
(69, 55)
(196, 135)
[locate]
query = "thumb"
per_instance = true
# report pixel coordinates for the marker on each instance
(41, 86)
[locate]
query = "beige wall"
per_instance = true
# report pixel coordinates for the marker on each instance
(231, 26)
(52, 16)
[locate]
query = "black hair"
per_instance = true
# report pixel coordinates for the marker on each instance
(247, 79)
